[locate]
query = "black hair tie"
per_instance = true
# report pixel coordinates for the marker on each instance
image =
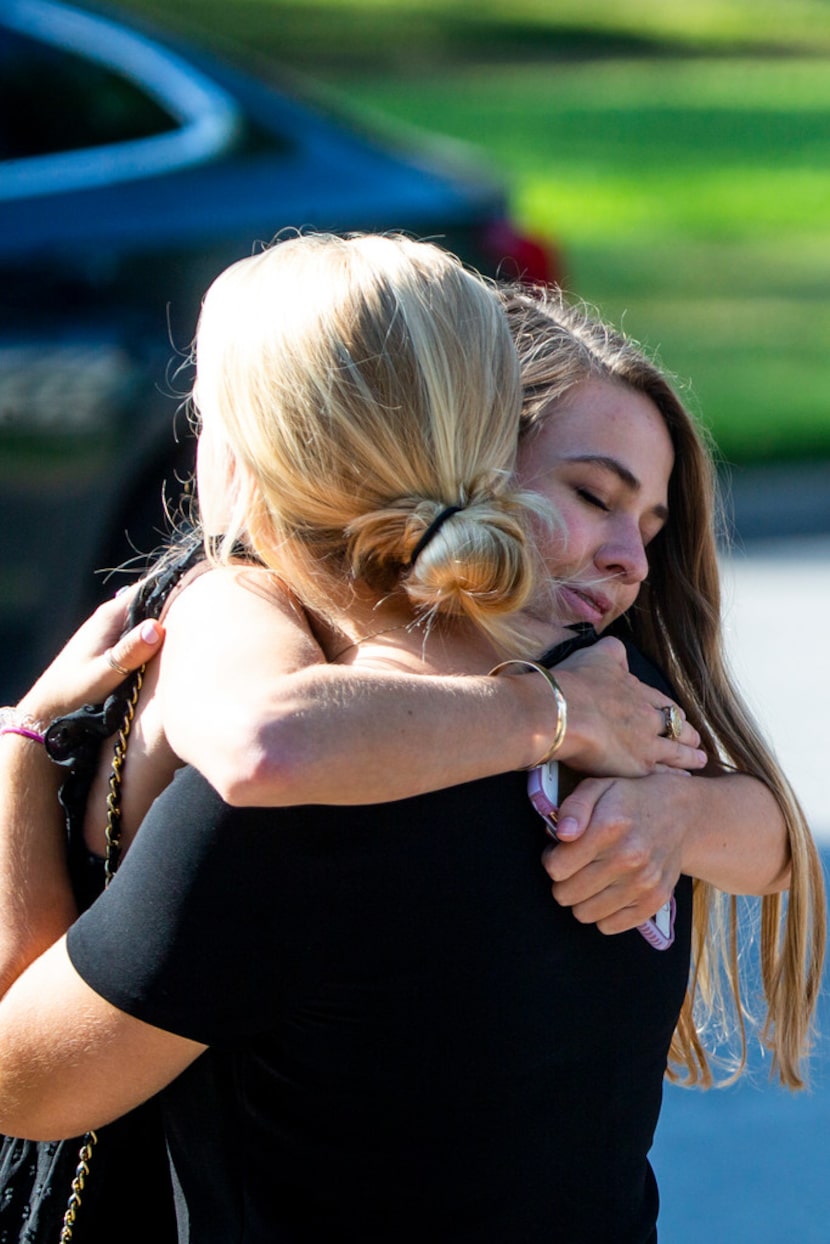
(432, 530)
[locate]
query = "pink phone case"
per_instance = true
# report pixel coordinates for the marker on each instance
(543, 791)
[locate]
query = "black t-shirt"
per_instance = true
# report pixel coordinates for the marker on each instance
(409, 1038)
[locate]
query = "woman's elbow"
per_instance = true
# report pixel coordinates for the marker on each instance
(262, 766)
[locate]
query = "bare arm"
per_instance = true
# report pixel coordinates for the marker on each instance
(270, 724)
(55, 1030)
(52, 1026)
(36, 905)
(628, 840)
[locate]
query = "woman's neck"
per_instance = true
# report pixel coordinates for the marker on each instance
(386, 633)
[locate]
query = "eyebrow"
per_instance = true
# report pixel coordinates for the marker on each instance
(622, 472)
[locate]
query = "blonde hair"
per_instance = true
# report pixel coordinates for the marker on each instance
(363, 385)
(677, 622)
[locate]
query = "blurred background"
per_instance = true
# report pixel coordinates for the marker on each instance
(670, 163)
(667, 163)
(677, 154)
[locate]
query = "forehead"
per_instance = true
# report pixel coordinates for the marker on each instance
(602, 419)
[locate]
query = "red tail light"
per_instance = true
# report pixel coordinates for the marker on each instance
(516, 256)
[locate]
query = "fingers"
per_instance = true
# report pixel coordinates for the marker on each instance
(671, 755)
(614, 904)
(92, 664)
(619, 725)
(623, 865)
(576, 810)
(588, 864)
(622, 919)
(613, 911)
(605, 653)
(110, 666)
(134, 649)
(678, 756)
(672, 724)
(682, 749)
(103, 627)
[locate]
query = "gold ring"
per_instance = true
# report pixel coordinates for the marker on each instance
(113, 664)
(673, 722)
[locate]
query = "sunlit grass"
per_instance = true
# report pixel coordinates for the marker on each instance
(397, 29)
(691, 198)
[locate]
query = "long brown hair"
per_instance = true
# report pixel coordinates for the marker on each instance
(677, 622)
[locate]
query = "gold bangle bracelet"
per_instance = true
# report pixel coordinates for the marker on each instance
(561, 704)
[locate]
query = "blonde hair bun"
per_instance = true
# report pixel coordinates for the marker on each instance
(479, 563)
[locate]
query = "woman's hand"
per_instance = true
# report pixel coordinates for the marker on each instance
(94, 662)
(620, 849)
(623, 843)
(616, 724)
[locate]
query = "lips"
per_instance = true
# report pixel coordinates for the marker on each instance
(588, 605)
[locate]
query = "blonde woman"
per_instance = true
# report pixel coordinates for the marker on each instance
(391, 986)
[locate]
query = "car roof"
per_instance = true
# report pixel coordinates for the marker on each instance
(238, 155)
(207, 118)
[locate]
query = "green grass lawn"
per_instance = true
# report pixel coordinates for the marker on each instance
(687, 185)
(692, 201)
(321, 32)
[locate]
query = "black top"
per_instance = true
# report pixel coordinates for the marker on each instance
(410, 1038)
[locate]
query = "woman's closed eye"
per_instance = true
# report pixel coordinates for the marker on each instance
(592, 499)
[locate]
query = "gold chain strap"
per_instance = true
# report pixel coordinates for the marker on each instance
(78, 1183)
(113, 852)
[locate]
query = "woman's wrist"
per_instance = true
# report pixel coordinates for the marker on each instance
(18, 721)
(579, 743)
(38, 706)
(557, 706)
(530, 716)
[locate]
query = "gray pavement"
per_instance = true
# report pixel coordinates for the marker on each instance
(776, 606)
(780, 501)
(750, 1164)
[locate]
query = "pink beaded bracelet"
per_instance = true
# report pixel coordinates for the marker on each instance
(24, 733)
(12, 721)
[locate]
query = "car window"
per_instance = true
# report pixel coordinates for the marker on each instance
(85, 103)
(52, 100)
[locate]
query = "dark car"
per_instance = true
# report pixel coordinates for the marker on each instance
(131, 171)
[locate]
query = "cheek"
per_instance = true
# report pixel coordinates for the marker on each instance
(565, 543)
(625, 599)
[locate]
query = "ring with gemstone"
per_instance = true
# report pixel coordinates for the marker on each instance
(673, 722)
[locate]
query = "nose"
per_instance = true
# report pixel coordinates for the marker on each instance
(624, 555)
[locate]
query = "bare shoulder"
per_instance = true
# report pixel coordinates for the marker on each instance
(230, 636)
(235, 638)
(247, 601)
(230, 587)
